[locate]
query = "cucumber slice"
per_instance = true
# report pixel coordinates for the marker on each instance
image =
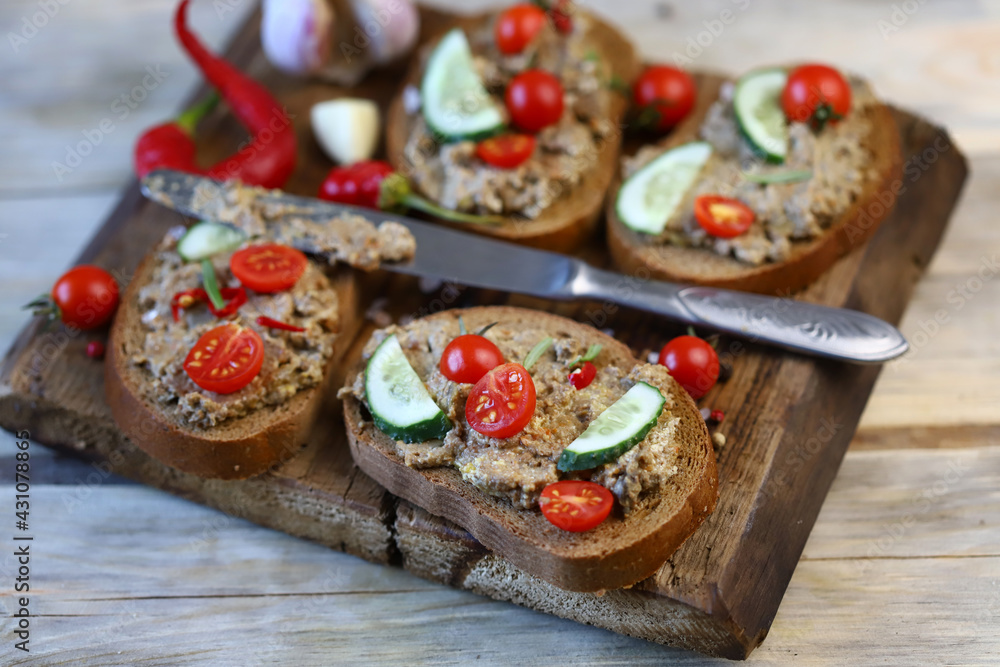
(616, 430)
(650, 197)
(397, 398)
(757, 105)
(206, 239)
(455, 102)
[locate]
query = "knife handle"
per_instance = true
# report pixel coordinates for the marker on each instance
(836, 333)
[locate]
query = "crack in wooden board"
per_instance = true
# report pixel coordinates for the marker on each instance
(718, 594)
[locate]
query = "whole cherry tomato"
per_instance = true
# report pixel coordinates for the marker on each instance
(502, 402)
(359, 184)
(85, 297)
(225, 359)
(506, 151)
(583, 375)
(816, 94)
(576, 505)
(723, 217)
(668, 91)
(692, 362)
(269, 267)
(469, 357)
(517, 26)
(535, 100)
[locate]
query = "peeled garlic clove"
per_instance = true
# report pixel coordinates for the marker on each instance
(296, 34)
(346, 128)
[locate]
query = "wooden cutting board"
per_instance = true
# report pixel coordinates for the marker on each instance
(788, 421)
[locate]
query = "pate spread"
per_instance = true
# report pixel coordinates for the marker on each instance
(452, 175)
(839, 157)
(293, 361)
(520, 467)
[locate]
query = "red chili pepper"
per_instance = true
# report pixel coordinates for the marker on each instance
(561, 14)
(583, 375)
(267, 160)
(170, 145)
(234, 296)
(275, 324)
(375, 184)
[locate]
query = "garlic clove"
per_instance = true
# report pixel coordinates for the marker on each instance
(347, 129)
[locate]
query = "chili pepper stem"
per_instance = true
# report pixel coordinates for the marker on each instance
(189, 120)
(421, 204)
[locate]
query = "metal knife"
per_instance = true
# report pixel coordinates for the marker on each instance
(473, 260)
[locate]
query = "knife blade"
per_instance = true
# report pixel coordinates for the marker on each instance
(475, 261)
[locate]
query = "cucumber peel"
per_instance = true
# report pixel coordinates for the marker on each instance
(757, 106)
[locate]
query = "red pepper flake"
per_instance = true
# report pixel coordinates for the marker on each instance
(717, 415)
(234, 297)
(275, 324)
(582, 377)
(95, 349)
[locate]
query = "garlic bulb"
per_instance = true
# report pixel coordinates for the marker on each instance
(296, 34)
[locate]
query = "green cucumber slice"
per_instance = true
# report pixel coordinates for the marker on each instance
(757, 105)
(399, 402)
(454, 101)
(206, 239)
(618, 429)
(650, 197)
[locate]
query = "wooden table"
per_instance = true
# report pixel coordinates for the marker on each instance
(903, 566)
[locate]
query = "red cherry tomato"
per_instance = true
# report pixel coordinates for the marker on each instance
(723, 217)
(95, 349)
(357, 184)
(269, 267)
(692, 362)
(535, 100)
(502, 402)
(506, 151)
(817, 94)
(667, 90)
(468, 358)
(583, 375)
(86, 296)
(575, 505)
(225, 359)
(517, 26)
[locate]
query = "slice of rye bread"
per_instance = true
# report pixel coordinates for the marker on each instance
(573, 217)
(236, 448)
(619, 552)
(633, 252)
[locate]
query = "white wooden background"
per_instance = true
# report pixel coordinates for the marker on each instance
(903, 566)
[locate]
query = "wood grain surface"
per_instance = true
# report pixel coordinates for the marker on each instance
(878, 585)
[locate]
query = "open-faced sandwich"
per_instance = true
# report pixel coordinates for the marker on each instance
(544, 438)
(515, 115)
(763, 186)
(228, 331)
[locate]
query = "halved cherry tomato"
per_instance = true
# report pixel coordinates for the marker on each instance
(535, 100)
(817, 94)
(575, 505)
(583, 375)
(517, 26)
(469, 357)
(502, 402)
(723, 217)
(692, 362)
(668, 91)
(225, 359)
(269, 267)
(506, 151)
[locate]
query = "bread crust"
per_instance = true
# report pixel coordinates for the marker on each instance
(619, 552)
(572, 219)
(236, 448)
(809, 259)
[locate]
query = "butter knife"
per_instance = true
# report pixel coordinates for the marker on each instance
(475, 261)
